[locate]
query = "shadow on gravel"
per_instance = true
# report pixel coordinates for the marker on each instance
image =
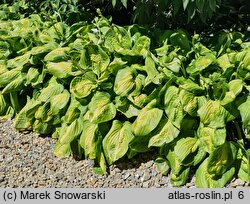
(137, 160)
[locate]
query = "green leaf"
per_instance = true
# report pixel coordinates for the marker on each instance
(185, 3)
(124, 3)
(113, 3)
(212, 4)
(60, 69)
(115, 143)
(146, 121)
(180, 39)
(101, 109)
(205, 180)
(176, 6)
(200, 4)
(245, 112)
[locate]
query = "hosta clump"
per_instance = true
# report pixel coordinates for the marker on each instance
(106, 92)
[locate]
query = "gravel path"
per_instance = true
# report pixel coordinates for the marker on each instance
(27, 160)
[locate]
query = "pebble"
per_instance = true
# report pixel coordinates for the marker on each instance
(27, 160)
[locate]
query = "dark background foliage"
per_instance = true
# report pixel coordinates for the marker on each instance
(198, 15)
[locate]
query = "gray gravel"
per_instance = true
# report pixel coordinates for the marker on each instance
(27, 160)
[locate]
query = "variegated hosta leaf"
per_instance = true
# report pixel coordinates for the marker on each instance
(116, 142)
(98, 58)
(235, 88)
(89, 139)
(3, 105)
(43, 49)
(184, 147)
(59, 101)
(173, 106)
(73, 111)
(146, 121)
(244, 171)
(32, 76)
(15, 85)
(162, 165)
(19, 62)
(201, 63)
(71, 132)
(22, 122)
(125, 81)
(141, 46)
(9, 76)
(214, 115)
(101, 162)
(245, 112)
(224, 62)
(53, 88)
(116, 39)
(3, 67)
(101, 109)
(167, 134)
(221, 159)
(62, 150)
(81, 87)
(58, 54)
(211, 138)
(150, 69)
(25, 118)
(189, 102)
(60, 69)
(206, 180)
(174, 163)
(181, 178)
(192, 87)
(42, 127)
(44, 113)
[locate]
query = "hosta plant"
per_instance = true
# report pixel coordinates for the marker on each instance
(107, 92)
